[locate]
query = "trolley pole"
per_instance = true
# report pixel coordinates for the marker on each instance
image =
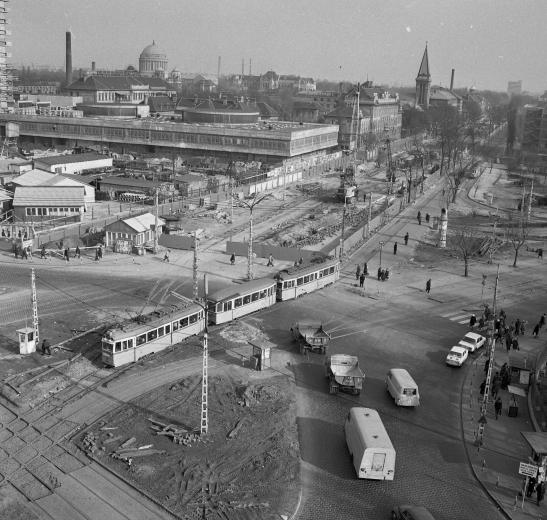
(35, 321)
(205, 370)
(491, 351)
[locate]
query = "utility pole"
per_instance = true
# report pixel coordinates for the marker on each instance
(381, 247)
(367, 226)
(195, 290)
(529, 214)
(34, 308)
(491, 351)
(205, 370)
(156, 221)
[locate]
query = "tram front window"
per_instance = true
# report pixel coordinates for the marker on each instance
(108, 347)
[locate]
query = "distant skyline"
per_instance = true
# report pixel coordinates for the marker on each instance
(487, 42)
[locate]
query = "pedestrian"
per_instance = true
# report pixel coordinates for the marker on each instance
(535, 333)
(395, 248)
(542, 320)
(486, 365)
(481, 323)
(166, 256)
(523, 327)
(29, 251)
(508, 341)
(515, 344)
(362, 280)
(406, 238)
(540, 492)
(365, 269)
(300, 261)
(379, 272)
(540, 253)
(419, 218)
(472, 321)
(482, 387)
(270, 261)
(496, 383)
(233, 259)
(428, 286)
(67, 254)
(358, 272)
(531, 487)
(427, 217)
(100, 251)
(77, 254)
(16, 251)
(46, 349)
(505, 379)
(24, 254)
(498, 406)
(43, 252)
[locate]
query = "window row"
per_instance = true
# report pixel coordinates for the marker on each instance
(239, 302)
(50, 211)
(309, 277)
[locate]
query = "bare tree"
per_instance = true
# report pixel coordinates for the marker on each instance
(517, 234)
(468, 243)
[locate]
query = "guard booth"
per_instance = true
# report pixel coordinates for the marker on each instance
(538, 445)
(27, 340)
(262, 356)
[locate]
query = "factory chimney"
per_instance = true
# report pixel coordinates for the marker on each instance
(68, 58)
(452, 80)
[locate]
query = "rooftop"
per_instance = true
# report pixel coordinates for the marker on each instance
(48, 196)
(71, 158)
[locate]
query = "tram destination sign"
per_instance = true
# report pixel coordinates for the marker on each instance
(529, 470)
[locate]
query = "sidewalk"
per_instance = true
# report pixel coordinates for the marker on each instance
(496, 463)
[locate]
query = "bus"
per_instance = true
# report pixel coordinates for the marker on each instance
(239, 300)
(133, 339)
(296, 281)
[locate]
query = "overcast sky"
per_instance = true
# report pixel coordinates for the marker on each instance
(488, 42)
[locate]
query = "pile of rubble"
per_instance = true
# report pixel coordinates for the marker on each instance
(89, 443)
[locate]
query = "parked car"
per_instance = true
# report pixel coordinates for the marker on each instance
(411, 513)
(457, 356)
(472, 341)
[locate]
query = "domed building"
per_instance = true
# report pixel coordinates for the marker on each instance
(153, 61)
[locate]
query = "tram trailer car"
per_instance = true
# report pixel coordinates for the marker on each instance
(239, 300)
(296, 281)
(131, 340)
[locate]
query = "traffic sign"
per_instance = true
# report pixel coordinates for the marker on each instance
(530, 470)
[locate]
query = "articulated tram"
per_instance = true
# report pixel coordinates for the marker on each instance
(296, 281)
(153, 332)
(130, 341)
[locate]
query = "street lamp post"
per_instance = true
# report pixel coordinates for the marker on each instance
(343, 229)
(250, 205)
(381, 246)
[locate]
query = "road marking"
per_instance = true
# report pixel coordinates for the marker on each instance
(457, 316)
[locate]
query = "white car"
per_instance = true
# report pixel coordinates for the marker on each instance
(457, 356)
(472, 341)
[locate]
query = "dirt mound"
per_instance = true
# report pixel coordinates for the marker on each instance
(246, 466)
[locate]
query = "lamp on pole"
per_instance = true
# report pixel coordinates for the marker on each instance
(250, 204)
(381, 246)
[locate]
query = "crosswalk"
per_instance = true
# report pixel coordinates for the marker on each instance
(458, 316)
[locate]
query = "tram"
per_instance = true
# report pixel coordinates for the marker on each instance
(236, 301)
(296, 281)
(153, 332)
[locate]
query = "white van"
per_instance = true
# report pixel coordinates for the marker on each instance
(369, 444)
(402, 387)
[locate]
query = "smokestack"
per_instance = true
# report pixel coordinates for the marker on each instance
(452, 80)
(68, 58)
(92, 66)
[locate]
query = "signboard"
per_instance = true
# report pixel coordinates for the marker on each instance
(529, 470)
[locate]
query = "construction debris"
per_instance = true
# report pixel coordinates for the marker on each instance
(90, 443)
(234, 431)
(178, 434)
(126, 455)
(128, 443)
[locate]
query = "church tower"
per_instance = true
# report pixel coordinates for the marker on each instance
(423, 83)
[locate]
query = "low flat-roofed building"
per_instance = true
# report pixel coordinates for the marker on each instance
(132, 232)
(75, 163)
(46, 179)
(33, 203)
(116, 185)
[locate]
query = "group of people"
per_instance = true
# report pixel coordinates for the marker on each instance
(419, 218)
(538, 487)
(22, 252)
(360, 276)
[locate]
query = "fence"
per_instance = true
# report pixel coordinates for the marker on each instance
(278, 252)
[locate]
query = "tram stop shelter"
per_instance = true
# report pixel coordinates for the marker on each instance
(538, 444)
(521, 367)
(261, 358)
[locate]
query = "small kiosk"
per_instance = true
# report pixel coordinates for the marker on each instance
(262, 356)
(27, 340)
(520, 368)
